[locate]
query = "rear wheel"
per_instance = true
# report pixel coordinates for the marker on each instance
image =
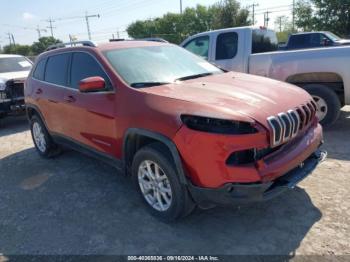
(157, 181)
(42, 139)
(328, 103)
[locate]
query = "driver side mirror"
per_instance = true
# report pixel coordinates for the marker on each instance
(92, 84)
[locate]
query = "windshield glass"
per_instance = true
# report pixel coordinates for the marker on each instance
(14, 64)
(142, 66)
(333, 36)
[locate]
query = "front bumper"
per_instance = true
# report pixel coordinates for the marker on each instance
(15, 105)
(233, 193)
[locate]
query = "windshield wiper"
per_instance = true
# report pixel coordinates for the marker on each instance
(148, 84)
(193, 76)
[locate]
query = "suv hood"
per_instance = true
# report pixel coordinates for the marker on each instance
(13, 75)
(233, 95)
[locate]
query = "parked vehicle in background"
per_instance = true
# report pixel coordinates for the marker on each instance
(323, 72)
(313, 40)
(187, 133)
(14, 69)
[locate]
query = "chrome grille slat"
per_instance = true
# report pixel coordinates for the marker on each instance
(286, 126)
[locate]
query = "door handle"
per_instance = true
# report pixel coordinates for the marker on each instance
(38, 91)
(70, 99)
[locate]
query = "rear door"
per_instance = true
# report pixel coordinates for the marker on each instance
(50, 81)
(90, 117)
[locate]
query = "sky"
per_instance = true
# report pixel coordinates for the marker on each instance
(22, 17)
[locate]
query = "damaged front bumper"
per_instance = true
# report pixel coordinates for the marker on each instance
(244, 193)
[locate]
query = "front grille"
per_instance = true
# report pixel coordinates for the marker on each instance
(287, 125)
(15, 89)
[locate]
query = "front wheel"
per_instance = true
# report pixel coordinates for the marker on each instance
(158, 183)
(328, 104)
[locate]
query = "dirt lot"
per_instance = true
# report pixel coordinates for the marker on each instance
(77, 205)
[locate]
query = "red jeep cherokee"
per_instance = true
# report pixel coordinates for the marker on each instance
(187, 133)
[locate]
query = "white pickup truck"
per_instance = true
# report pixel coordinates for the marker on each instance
(323, 72)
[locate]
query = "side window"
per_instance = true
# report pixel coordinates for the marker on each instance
(56, 69)
(316, 39)
(226, 46)
(40, 70)
(83, 66)
(199, 46)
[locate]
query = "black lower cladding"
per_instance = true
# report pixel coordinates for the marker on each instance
(245, 193)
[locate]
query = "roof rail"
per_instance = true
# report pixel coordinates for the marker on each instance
(71, 44)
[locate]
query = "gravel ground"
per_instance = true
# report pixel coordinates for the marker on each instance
(77, 205)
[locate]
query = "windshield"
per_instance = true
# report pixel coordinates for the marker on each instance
(333, 36)
(156, 65)
(14, 64)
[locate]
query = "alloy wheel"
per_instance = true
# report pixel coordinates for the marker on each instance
(322, 107)
(155, 185)
(39, 137)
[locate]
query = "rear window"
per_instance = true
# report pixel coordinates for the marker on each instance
(40, 70)
(264, 41)
(56, 69)
(226, 46)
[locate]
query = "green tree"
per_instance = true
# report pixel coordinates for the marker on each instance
(17, 49)
(176, 27)
(326, 15)
(43, 43)
(228, 13)
(304, 15)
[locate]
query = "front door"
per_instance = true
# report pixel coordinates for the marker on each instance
(90, 118)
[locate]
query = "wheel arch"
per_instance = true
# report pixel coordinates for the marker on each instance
(330, 80)
(32, 110)
(136, 138)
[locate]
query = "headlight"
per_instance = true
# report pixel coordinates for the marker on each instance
(217, 126)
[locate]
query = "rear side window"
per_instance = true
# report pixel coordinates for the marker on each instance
(40, 70)
(264, 41)
(56, 69)
(199, 46)
(83, 66)
(226, 46)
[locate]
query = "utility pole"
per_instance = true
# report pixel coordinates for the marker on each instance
(9, 35)
(180, 6)
(280, 23)
(266, 19)
(50, 21)
(293, 27)
(87, 22)
(253, 14)
(13, 40)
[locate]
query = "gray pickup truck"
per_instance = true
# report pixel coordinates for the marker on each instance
(323, 72)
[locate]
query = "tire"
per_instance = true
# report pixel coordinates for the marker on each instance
(326, 97)
(42, 139)
(181, 203)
